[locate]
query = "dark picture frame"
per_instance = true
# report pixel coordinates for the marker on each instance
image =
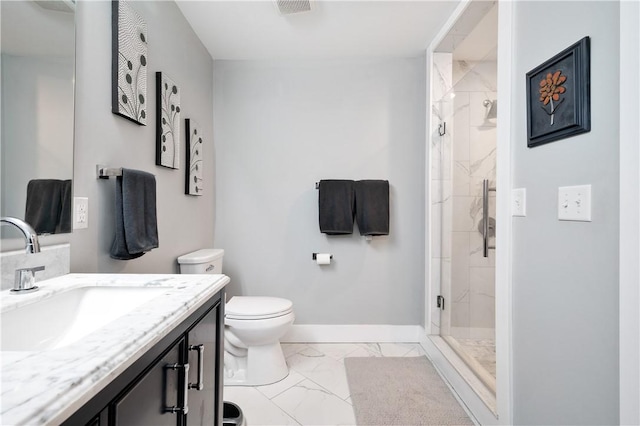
(128, 63)
(194, 145)
(167, 122)
(559, 96)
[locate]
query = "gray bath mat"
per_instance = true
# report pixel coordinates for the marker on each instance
(401, 391)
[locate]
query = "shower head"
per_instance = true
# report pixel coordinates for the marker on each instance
(492, 108)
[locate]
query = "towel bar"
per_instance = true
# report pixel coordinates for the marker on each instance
(105, 172)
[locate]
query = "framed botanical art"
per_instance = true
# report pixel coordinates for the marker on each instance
(128, 63)
(167, 122)
(558, 96)
(193, 183)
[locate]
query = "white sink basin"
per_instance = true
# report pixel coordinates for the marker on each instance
(67, 317)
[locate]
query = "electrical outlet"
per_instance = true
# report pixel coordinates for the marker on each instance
(80, 212)
(519, 202)
(574, 203)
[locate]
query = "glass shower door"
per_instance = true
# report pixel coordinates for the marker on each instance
(464, 93)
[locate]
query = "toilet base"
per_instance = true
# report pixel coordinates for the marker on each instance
(263, 365)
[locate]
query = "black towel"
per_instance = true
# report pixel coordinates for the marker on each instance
(335, 206)
(136, 221)
(372, 207)
(66, 194)
(46, 200)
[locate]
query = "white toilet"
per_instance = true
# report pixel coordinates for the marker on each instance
(253, 328)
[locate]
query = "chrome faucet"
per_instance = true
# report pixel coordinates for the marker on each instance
(30, 236)
(25, 279)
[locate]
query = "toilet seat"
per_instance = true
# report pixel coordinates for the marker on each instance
(255, 308)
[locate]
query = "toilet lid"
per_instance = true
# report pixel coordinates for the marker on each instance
(245, 307)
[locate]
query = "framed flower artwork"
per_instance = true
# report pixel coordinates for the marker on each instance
(167, 122)
(194, 181)
(558, 96)
(129, 63)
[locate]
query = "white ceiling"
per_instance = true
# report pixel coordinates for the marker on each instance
(28, 29)
(240, 29)
(481, 43)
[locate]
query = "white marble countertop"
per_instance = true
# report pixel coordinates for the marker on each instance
(47, 387)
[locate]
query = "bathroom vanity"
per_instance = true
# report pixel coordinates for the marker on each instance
(134, 349)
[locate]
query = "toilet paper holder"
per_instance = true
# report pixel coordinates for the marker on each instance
(315, 255)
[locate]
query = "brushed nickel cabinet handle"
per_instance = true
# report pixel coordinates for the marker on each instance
(200, 385)
(185, 375)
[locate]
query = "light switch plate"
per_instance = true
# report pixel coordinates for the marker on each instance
(80, 212)
(574, 203)
(519, 202)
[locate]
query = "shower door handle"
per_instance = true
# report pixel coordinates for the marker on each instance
(485, 217)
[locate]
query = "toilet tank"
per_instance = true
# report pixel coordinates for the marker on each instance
(205, 261)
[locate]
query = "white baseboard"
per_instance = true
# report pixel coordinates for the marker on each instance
(361, 333)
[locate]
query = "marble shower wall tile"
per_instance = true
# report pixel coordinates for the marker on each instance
(467, 212)
(442, 74)
(435, 274)
(460, 268)
(474, 159)
(473, 76)
(460, 126)
(446, 280)
(441, 156)
(441, 218)
(482, 297)
(441, 167)
(482, 152)
(56, 259)
(447, 222)
(460, 313)
(461, 178)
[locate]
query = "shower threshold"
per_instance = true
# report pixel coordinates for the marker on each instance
(482, 373)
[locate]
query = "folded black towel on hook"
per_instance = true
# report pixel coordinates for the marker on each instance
(136, 220)
(335, 206)
(372, 206)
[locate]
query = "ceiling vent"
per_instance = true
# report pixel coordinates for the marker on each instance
(287, 7)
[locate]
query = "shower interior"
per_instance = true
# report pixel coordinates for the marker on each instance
(463, 176)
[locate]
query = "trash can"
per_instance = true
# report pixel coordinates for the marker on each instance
(232, 415)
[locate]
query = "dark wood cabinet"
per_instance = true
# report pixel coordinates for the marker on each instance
(204, 396)
(178, 382)
(155, 398)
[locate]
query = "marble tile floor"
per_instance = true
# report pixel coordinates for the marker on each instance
(316, 391)
(483, 350)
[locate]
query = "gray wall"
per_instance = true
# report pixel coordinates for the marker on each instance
(565, 274)
(281, 126)
(185, 223)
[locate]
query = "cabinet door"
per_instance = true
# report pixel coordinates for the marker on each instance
(205, 358)
(146, 401)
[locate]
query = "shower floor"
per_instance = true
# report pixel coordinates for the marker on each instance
(479, 355)
(483, 351)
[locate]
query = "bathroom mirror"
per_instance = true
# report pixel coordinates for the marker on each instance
(37, 76)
